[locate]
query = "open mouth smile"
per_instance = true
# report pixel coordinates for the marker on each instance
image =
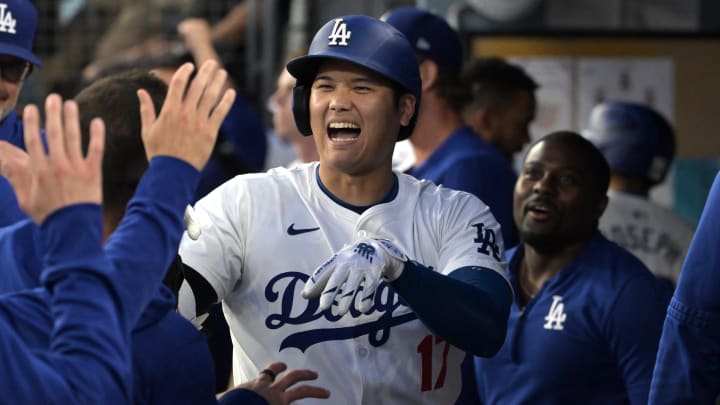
(343, 131)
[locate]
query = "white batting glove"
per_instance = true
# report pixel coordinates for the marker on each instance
(362, 263)
(192, 225)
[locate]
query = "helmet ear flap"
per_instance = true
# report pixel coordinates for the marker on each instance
(301, 108)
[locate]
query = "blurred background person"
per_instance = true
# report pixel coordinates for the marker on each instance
(639, 145)
(242, 143)
(280, 104)
(446, 151)
(502, 105)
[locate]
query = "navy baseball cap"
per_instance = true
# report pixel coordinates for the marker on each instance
(430, 34)
(18, 23)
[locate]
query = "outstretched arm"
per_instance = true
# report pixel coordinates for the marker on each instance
(467, 296)
(178, 143)
(470, 296)
(88, 360)
(197, 34)
(464, 298)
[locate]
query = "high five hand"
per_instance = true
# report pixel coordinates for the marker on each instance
(44, 182)
(188, 124)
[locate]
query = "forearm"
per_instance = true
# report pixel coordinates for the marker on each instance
(89, 356)
(206, 52)
(147, 239)
(231, 29)
(469, 308)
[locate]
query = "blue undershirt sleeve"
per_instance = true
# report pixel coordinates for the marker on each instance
(469, 308)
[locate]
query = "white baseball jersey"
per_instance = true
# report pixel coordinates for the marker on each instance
(264, 234)
(656, 235)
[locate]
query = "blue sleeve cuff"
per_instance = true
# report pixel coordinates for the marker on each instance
(169, 173)
(72, 237)
(694, 317)
(242, 396)
(60, 236)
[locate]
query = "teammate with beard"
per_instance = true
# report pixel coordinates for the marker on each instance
(587, 316)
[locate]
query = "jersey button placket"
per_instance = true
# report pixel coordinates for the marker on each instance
(363, 354)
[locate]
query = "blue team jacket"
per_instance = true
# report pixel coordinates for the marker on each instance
(687, 369)
(87, 359)
(171, 361)
(11, 130)
(465, 162)
(588, 337)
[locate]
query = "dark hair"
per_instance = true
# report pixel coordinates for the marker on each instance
(114, 99)
(494, 82)
(450, 88)
(595, 161)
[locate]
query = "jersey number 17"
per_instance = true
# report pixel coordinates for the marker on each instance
(425, 348)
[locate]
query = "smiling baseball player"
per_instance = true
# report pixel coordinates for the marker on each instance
(379, 281)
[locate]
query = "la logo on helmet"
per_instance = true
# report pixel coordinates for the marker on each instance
(339, 34)
(7, 22)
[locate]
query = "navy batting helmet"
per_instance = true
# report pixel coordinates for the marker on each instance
(635, 139)
(364, 41)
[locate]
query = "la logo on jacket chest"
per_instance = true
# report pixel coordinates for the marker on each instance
(556, 316)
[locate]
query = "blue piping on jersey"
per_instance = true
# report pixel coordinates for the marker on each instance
(357, 208)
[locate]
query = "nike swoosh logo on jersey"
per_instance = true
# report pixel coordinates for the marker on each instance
(297, 231)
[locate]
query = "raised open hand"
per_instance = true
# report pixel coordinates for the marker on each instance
(45, 182)
(188, 124)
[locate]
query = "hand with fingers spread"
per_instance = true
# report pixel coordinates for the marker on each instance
(44, 182)
(365, 263)
(276, 389)
(188, 124)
